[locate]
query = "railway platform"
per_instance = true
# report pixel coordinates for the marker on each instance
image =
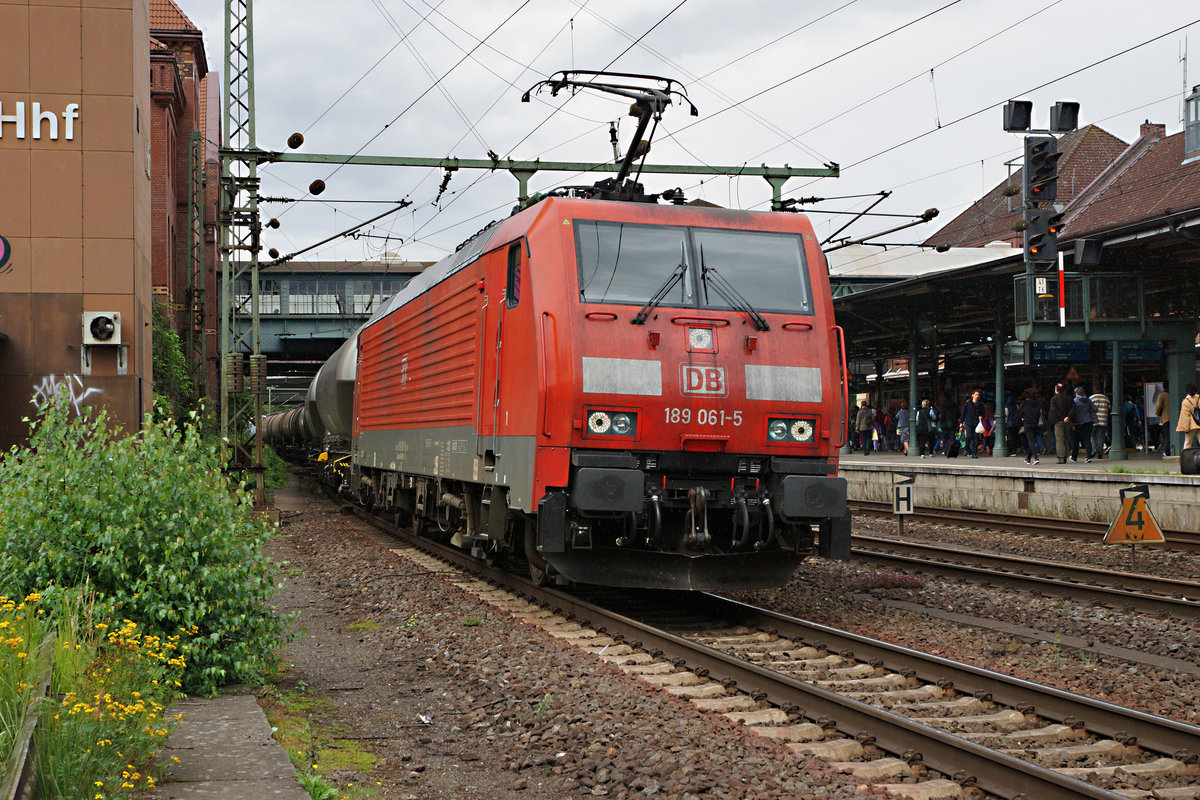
(1006, 484)
(223, 748)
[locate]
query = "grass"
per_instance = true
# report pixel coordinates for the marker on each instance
(1137, 471)
(364, 625)
(303, 725)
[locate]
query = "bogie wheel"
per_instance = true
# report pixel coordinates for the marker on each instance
(540, 577)
(539, 570)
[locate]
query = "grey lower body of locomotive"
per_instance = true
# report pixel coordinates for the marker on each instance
(604, 486)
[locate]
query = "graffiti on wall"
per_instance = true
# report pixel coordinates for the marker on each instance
(5, 256)
(77, 393)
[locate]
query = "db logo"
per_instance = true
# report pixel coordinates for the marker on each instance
(703, 380)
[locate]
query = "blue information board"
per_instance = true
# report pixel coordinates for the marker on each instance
(1062, 352)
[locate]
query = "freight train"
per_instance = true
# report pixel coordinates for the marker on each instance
(621, 393)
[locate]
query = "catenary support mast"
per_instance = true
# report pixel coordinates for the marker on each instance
(240, 228)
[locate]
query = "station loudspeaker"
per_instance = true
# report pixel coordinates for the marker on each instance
(1189, 461)
(1087, 252)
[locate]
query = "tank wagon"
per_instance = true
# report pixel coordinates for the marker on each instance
(629, 394)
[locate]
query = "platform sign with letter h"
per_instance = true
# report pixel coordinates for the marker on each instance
(903, 497)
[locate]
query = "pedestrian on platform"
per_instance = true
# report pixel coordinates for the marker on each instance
(1134, 433)
(903, 419)
(926, 429)
(1030, 418)
(1162, 410)
(1012, 424)
(890, 425)
(865, 424)
(1060, 417)
(1100, 439)
(947, 419)
(989, 429)
(972, 424)
(1083, 417)
(1189, 416)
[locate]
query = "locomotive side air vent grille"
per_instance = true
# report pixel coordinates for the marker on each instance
(102, 327)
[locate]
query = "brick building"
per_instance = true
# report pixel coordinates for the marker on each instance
(185, 135)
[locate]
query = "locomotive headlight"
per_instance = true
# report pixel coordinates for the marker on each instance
(791, 429)
(802, 430)
(599, 422)
(611, 423)
(622, 424)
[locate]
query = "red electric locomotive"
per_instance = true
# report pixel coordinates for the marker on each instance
(628, 393)
(631, 394)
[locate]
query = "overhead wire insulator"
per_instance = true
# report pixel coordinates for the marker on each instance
(258, 375)
(235, 380)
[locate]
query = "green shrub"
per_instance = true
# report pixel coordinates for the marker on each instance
(276, 474)
(148, 523)
(174, 389)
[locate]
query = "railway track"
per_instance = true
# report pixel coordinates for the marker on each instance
(912, 723)
(1116, 589)
(1186, 541)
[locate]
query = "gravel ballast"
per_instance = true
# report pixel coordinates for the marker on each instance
(458, 700)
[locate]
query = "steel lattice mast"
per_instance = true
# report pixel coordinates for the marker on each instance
(240, 228)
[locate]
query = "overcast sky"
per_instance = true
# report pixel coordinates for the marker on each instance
(905, 96)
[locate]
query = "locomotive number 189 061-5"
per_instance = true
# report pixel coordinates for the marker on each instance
(704, 416)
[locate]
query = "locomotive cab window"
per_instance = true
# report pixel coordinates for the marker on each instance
(767, 269)
(711, 268)
(512, 291)
(624, 263)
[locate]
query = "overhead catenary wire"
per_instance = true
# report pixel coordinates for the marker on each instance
(425, 229)
(660, 21)
(421, 96)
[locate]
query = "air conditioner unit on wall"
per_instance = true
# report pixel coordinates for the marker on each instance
(102, 327)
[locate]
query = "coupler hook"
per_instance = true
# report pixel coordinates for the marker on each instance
(698, 533)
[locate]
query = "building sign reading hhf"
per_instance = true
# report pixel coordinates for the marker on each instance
(41, 124)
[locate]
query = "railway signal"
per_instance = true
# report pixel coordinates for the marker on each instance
(1040, 176)
(1135, 523)
(903, 498)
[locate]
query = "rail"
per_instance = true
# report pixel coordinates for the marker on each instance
(18, 772)
(1188, 541)
(1146, 593)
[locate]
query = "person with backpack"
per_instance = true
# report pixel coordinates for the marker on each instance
(1133, 424)
(1083, 417)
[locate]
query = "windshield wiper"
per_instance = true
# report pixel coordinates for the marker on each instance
(730, 294)
(672, 279)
